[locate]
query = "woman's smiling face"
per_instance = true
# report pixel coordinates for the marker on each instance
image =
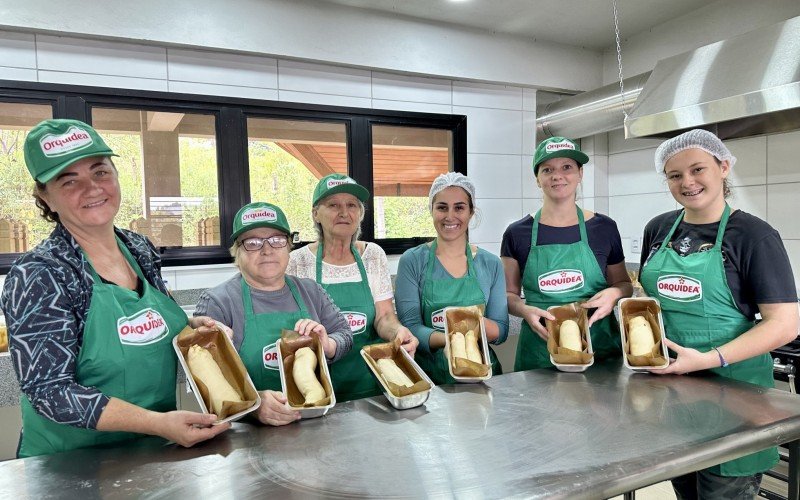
(452, 211)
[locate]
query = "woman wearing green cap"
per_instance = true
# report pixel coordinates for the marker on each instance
(261, 300)
(89, 319)
(563, 254)
(449, 271)
(356, 276)
(713, 268)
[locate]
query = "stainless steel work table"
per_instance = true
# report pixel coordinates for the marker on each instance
(532, 434)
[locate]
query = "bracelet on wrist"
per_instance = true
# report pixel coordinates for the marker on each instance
(722, 362)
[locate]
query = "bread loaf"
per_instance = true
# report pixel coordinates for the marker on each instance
(392, 373)
(471, 341)
(569, 336)
(458, 346)
(640, 336)
(305, 377)
(205, 369)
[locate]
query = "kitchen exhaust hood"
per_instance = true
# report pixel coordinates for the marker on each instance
(743, 86)
(746, 85)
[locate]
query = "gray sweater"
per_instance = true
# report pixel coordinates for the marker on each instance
(224, 304)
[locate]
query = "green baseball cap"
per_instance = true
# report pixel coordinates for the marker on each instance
(53, 145)
(557, 147)
(338, 183)
(259, 214)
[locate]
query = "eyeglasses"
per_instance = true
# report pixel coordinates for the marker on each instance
(255, 244)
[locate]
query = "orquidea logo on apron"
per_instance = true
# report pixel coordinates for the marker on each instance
(437, 319)
(679, 288)
(270, 356)
(144, 327)
(356, 320)
(561, 281)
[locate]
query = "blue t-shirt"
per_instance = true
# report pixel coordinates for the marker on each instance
(411, 279)
(601, 230)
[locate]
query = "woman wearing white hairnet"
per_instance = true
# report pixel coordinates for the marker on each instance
(560, 255)
(449, 272)
(713, 268)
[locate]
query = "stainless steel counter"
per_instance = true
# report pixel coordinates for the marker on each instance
(535, 434)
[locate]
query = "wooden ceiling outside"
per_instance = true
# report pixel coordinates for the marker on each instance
(397, 170)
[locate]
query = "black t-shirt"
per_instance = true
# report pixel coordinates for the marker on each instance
(602, 232)
(756, 263)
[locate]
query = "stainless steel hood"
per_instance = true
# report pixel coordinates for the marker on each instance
(746, 85)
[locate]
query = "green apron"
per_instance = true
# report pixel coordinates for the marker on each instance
(350, 375)
(136, 364)
(448, 292)
(700, 313)
(261, 331)
(561, 274)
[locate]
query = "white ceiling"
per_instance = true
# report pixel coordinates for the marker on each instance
(584, 23)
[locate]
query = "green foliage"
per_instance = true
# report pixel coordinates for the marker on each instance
(278, 177)
(407, 217)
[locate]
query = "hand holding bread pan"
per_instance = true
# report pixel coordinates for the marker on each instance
(302, 386)
(569, 342)
(216, 374)
(463, 320)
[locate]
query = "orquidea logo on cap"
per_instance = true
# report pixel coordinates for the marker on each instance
(679, 288)
(332, 183)
(263, 214)
(145, 327)
(557, 146)
(270, 356)
(437, 319)
(561, 281)
(57, 145)
(356, 320)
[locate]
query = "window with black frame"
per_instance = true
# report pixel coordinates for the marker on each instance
(188, 162)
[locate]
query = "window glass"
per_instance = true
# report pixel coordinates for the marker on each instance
(167, 172)
(287, 158)
(405, 160)
(21, 227)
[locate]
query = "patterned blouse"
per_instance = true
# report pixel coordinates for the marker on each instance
(45, 300)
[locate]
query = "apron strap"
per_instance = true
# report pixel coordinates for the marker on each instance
(361, 269)
(432, 256)
(581, 226)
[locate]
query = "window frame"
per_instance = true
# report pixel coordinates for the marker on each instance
(233, 176)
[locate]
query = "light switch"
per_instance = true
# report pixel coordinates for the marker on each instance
(636, 244)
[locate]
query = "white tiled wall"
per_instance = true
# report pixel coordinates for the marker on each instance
(765, 182)
(500, 118)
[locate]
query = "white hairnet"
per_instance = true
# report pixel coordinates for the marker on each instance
(451, 179)
(697, 138)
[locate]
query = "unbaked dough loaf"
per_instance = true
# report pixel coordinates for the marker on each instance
(303, 372)
(569, 335)
(458, 347)
(392, 373)
(471, 341)
(640, 336)
(205, 369)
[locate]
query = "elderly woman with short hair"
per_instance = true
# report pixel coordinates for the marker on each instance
(356, 275)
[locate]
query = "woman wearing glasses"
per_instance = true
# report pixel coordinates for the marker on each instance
(261, 300)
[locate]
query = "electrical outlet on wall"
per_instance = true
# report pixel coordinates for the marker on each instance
(636, 245)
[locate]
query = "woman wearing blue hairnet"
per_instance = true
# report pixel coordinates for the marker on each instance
(713, 268)
(449, 271)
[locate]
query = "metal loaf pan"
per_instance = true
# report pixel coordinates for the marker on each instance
(485, 352)
(193, 386)
(314, 411)
(402, 402)
(623, 330)
(572, 368)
